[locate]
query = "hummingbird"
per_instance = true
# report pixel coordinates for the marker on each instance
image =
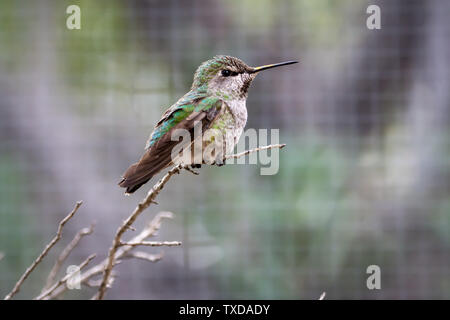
(216, 101)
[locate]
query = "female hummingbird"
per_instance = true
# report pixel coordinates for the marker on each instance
(216, 101)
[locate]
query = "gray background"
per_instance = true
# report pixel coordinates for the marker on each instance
(364, 179)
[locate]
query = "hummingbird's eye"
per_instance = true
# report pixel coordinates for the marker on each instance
(226, 73)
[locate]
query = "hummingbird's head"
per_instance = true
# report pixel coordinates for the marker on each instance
(228, 76)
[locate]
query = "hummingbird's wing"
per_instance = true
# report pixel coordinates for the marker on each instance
(158, 154)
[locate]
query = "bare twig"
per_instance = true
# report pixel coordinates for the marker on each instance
(93, 283)
(64, 279)
(30, 269)
(96, 283)
(65, 253)
(152, 243)
(145, 256)
(238, 155)
(122, 253)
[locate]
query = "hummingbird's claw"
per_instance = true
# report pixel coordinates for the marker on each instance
(219, 164)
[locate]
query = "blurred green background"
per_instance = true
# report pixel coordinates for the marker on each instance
(364, 179)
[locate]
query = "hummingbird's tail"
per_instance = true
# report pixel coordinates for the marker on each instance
(134, 178)
(132, 189)
(126, 182)
(141, 172)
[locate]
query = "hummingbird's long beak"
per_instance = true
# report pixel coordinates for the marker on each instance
(270, 66)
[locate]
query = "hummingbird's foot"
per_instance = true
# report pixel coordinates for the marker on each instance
(196, 166)
(190, 169)
(219, 164)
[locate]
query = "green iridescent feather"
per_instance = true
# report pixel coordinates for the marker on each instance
(193, 101)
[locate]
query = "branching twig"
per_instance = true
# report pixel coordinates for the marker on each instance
(122, 253)
(149, 199)
(145, 256)
(30, 269)
(65, 253)
(152, 243)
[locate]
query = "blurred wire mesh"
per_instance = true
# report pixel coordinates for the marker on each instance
(365, 178)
